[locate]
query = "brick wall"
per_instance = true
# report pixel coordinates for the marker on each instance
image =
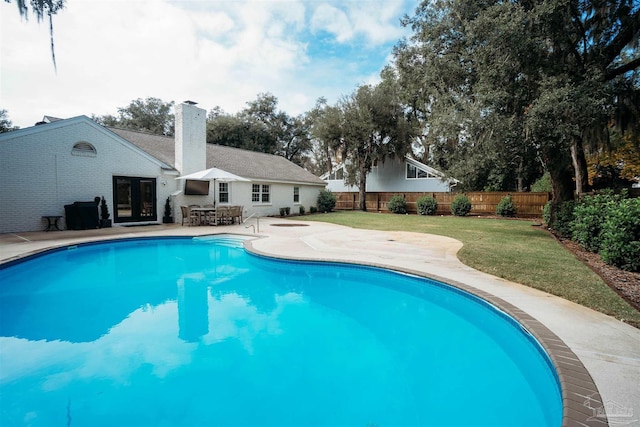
(40, 175)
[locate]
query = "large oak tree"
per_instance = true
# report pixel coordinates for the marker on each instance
(368, 126)
(501, 84)
(262, 127)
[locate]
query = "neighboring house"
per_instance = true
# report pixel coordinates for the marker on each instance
(61, 161)
(394, 176)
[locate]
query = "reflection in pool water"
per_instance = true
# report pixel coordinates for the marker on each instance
(198, 332)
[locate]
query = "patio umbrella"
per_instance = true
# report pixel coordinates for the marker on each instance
(213, 174)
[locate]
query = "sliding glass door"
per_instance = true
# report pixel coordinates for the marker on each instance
(134, 199)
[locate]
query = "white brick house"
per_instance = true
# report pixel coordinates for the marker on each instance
(44, 167)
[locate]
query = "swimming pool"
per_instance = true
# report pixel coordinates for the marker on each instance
(178, 331)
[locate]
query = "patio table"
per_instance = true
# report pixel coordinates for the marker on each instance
(52, 222)
(203, 213)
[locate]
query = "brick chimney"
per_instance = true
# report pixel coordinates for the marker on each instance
(191, 138)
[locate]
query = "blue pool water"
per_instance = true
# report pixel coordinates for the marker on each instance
(197, 332)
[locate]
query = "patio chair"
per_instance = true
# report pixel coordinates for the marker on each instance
(185, 214)
(209, 216)
(197, 217)
(222, 215)
(235, 212)
(192, 218)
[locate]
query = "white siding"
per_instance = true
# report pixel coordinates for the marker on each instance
(281, 195)
(39, 174)
(390, 176)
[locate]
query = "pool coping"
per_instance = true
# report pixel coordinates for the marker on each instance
(581, 399)
(578, 390)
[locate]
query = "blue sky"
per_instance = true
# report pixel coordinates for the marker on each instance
(218, 53)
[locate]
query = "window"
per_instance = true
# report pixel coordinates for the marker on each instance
(260, 193)
(223, 192)
(424, 174)
(296, 194)
(411, 171)
(337, 174)
(415, 172)
(83, 149)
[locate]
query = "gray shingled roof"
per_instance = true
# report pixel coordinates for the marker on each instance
(160, 147)
(248, 164)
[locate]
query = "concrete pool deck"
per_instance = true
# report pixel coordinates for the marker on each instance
(608, 349)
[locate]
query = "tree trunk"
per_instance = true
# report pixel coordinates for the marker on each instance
(579, 166)
(362, 187)
(519, 177)
(363, 200)
(562, 185)
(559, 168)
(327, 153)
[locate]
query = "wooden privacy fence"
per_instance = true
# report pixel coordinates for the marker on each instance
(528, 205)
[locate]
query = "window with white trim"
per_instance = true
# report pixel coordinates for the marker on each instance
(260, 193)
(83, 148)
(296, 194)
(223, 192)
(414, 172)
(337, 174)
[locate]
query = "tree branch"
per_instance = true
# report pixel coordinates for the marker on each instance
(629, 30)
(53, 51)
(622, 69)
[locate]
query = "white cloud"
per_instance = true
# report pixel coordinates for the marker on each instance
(332, 20)
(376, 21)
(217, 53)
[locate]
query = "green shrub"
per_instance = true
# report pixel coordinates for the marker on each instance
(620, 234)
(506, 207)
(461, 205)
(564, 217)
(282, 211)
(542, 185)
(427, 205)
(397, 204)
(589, 216)
(546, 213)
(301, 210)
(313, 209)
(326, 201)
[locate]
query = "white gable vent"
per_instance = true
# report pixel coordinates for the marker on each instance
(83, 149)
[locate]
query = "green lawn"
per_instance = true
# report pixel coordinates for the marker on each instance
(512, 249)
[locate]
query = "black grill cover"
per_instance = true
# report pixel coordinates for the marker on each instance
(81, 215)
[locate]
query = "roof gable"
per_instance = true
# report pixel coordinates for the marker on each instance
(407, 159)
(85, 121)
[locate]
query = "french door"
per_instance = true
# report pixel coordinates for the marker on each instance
(134, 199)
